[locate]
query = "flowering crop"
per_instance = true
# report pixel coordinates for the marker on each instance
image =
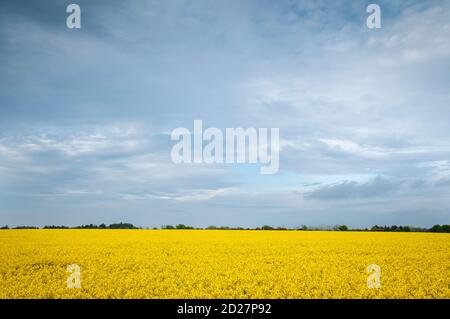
(222, 264)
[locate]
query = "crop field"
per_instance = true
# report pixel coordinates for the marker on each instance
(222, 264)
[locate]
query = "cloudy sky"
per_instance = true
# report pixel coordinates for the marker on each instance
(86, 114)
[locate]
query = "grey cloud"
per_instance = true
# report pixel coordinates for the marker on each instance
(444, 182)
(351, 189)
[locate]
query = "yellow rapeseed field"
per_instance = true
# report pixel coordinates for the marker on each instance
(222, 264)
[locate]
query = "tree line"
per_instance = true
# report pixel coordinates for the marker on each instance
(376, 228)
(88, 226)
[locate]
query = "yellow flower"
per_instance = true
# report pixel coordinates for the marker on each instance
(222, 264)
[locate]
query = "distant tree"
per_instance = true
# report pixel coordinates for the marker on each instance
(211, 227)
(26, 227)
(342, 228)
(90, 226)
(122, 226)
(436, 229)
(55, 227)
(102, 226)
(183, 226)
(304, 227)
(440, 229)
(5, 227)
(167, 227)
(266, 227)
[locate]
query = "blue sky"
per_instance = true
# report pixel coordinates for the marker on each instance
(85, 115)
